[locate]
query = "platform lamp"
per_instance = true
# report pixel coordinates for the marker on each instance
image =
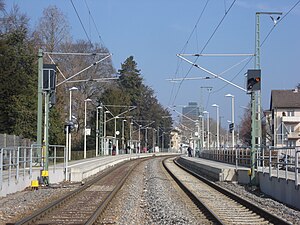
(97, 129)
(84, 147)
(207, 121)
(104, 133)
(70, 118)
(218, 132)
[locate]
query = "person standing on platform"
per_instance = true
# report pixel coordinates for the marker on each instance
(189, 151)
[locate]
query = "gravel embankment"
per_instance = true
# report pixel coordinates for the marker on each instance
(148, 197)
(16, 206)
(275, 207)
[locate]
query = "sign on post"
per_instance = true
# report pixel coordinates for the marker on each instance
(49, 77)
(231, 127)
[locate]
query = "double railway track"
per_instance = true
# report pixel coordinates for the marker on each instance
(220, 205)
(215, 204)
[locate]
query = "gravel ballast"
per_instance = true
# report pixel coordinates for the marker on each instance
(148, 197)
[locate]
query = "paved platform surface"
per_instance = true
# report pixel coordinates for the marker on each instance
(81, 169)
(217, 171)
(281, 186)
(77, 171)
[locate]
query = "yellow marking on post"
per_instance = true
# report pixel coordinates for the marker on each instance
(45, 173)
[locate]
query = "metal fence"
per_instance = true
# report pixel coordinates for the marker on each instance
(7, 140)
(268, 159)
(16, 162)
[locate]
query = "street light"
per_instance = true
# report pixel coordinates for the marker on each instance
(206, 112)
(104, 133)
(123, 124)
(115, 136)
(140, 138)
(130, 137)
(97, 129)
(218, 132)
(232, 117)
(146, 138)
(196, 142)
(202, 130)
(153, 139)
(70, 118)
(162, 142)
(84, 147)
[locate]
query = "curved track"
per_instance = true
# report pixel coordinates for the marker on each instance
(222, 205)
(85, 205)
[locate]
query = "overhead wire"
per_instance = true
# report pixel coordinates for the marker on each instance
(279, 22)
(225, 85)
(260, 45)
(195, 27)
(81, 22)
(184, 48)
(207, 42)
(217, 27)
(99, 36)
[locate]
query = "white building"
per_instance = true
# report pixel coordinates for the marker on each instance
(283, 119)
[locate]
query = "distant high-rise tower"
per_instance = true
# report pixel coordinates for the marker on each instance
(190, 115)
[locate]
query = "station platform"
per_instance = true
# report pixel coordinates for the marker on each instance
(278, 184)
(13, 180)
(82, 169)
(216, 171)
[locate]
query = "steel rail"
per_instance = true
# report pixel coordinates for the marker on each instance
(254, 208)
(39, 214)
(202, 206)
(98, 213)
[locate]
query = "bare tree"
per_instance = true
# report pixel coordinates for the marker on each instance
(245, 127)
(2, 5)
(53, 29)
(14, 20)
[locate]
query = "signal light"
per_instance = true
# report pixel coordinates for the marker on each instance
(253, 80)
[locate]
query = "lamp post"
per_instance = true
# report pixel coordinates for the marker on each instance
(153, 139)
(162, 141)
(146, 138)
(206, 112)
(197, 135)
(104, 133)
(123, 124)
(115, 135)
(140, 138)
(202, 130)
(218, 132)
(130, 136)
(97, 129)
(232, 118)
(84, 147)
(70, 118)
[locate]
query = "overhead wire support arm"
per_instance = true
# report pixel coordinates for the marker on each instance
(181, 114)
(94, 64)
(188, 78)
(78, 53)
(57, 66)
(130, 108)
(104, 79)
(211, 73)
(217, 54)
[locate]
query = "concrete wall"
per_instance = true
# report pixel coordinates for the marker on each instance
(25, 181)
(75, 174)
(211, 172)
(280, 189)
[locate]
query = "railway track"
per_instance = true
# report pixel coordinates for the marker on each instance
(221, 205)
(84, 205)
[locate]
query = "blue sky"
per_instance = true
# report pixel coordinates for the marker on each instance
(155, 31)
